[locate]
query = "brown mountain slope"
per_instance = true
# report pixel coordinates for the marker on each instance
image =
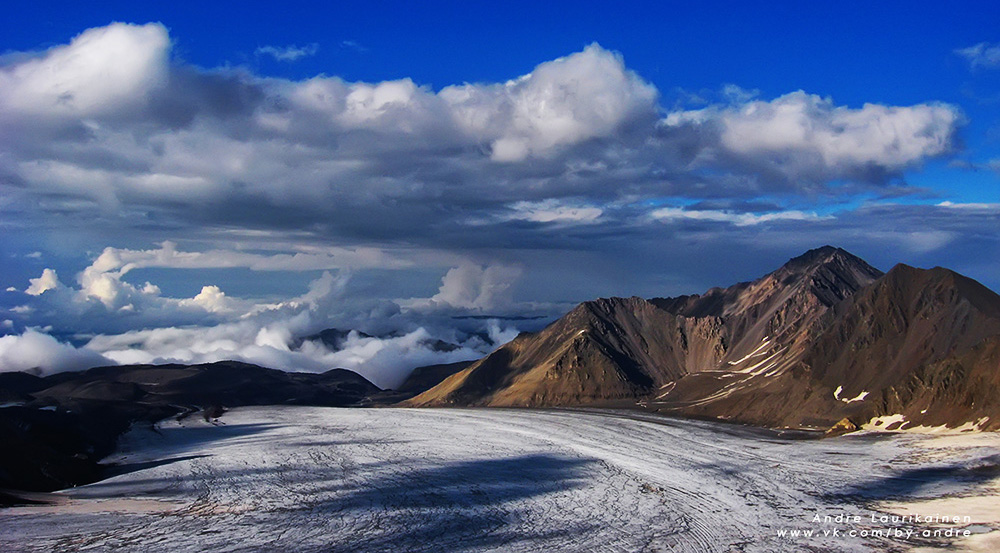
(962, 387)
(909, 318)
(920, 343)
(605, 349)
(824, 337)
(768, 324)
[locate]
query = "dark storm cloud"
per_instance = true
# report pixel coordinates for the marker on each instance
(373, 162)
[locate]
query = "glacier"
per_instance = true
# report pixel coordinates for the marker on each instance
(512, 480)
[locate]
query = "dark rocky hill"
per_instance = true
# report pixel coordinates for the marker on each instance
(56, 429)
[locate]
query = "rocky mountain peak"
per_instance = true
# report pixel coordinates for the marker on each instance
(828, 258)
(828, 273)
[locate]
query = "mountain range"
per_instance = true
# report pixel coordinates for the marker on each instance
(824, 341)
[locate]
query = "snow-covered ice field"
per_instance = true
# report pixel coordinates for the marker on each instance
(439, 480)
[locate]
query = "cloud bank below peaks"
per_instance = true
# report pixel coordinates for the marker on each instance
(41, 354)
(115, 322)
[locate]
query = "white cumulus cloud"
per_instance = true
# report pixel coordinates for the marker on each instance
(211, 298)
(42, 354)
(101, 71)
(477, 287)
(802, 135)
(561, 102)
(48, 281)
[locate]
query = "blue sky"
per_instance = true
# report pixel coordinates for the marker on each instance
(386, 166)
(900, 52)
